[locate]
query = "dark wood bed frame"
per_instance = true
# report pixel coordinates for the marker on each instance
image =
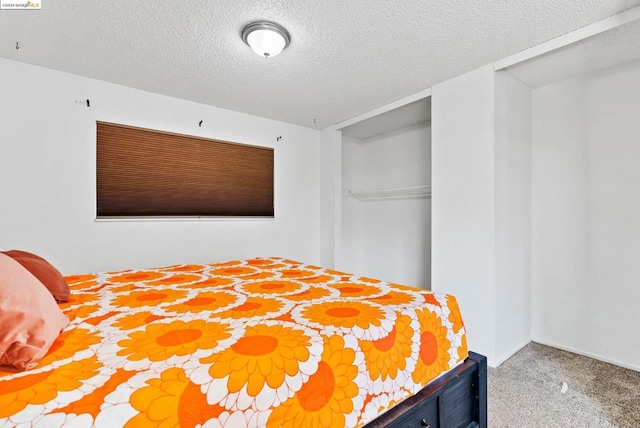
(456, 399)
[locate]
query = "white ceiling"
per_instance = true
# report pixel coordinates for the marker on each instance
(346, 57)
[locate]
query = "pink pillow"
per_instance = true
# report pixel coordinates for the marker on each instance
(30, 319)
(44, 271)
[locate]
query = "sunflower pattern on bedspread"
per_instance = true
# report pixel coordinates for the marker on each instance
(266, 342)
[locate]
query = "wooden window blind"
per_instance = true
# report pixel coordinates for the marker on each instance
(147, 173)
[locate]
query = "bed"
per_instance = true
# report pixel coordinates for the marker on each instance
(265, 342)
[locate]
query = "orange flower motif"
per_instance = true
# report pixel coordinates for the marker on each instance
(364, 320)
(314, 267)
(135, 320)
(402, 287)
(78, 299)
(260, 275)
(384, 357)
(80, 312)
(254, 307)
(235, 271)
(277, 287)
(463, 350)
(91, 286)
(346, 276)
(275, 267)
(171, 401)
(184, 268)
(81, 282)
(354, 289)
(431, 299)
(210, 282)
(343, 314)
(262, 262)
(148, 297)
(90, 403)
(310, 294)
(455, 317)
(205, 301)
(40, 388)
(262, 357)
(160, 341)
(394, 297)
(124, 288)
(318, 279)
(97, 319)
(68, 344)
(327, 396)
(296, 273)
(77, 279)
(229, 263)
(135, 276)
(434, 348)
(175, 278)
(378, 404)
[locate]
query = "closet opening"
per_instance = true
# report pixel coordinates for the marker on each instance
(585, 104)
(386, 196)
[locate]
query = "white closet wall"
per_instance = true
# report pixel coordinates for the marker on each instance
(386, 233)
(585, 200)
(586, 206)
(351, 233)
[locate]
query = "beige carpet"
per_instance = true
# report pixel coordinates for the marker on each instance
(526, 391)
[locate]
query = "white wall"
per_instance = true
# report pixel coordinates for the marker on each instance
(330, 191)
(463, 201)
(351, 213)
(560, 214)
(481, 220)
(513, 215)
(586, 206)
(47, 167)
(396, 233)
(389, 239)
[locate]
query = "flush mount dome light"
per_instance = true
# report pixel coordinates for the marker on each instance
(267, 39)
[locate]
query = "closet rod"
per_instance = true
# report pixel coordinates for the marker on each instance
(388, 193)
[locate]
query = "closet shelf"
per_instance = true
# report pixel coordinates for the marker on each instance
(390, 193)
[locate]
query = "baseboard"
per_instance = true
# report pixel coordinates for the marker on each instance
(587, 354)
(495, 362)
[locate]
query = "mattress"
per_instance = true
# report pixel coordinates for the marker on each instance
(266, 342)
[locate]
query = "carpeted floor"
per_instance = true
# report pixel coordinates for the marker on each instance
(526, 391)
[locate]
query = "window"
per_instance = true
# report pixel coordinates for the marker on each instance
(147, 173)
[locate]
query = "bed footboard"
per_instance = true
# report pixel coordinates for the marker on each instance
(457, 399)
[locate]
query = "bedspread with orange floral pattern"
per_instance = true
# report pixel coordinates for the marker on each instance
(266, 342)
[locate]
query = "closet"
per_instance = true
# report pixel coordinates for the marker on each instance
(585, 202)
(386, 196)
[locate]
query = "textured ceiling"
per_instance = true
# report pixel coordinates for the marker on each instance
(346, 57)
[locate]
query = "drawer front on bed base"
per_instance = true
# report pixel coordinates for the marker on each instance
(425, 416)
(453, 407)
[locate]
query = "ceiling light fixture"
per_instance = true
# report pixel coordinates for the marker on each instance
(267, 39)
